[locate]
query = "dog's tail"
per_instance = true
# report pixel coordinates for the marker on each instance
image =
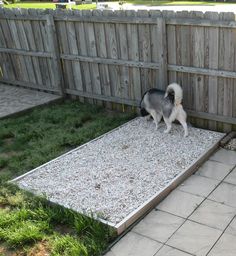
(178, 92)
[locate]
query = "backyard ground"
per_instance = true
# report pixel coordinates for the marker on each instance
(28, 225)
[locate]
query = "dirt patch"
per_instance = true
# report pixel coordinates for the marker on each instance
(63, 229)
(40, 249)
(6, 252)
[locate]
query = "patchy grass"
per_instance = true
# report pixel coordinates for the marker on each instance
(47, 5)
(30, 225)
(173, 3)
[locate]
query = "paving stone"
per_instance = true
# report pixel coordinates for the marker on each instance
(225, 193)
(214, 170)
(225, 156)
(231, 229)
(213, 214)
(226, 246)
(194, 238)
(180, 203)
(231, 178)
(200, 186)
(134, 244)
(15, 99)
(169, 251)
(159, 225)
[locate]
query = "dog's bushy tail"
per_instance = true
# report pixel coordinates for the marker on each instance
(178, 92)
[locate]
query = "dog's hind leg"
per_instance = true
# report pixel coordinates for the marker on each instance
(168, 124)
(156, 117)
(182, 119)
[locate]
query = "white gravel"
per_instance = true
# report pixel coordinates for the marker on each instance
(115, 174)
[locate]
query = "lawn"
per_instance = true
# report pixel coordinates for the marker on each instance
(48, 5)
(30, 226)
(172, 3)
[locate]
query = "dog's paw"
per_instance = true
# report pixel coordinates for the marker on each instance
(185, 135)
(166, 131)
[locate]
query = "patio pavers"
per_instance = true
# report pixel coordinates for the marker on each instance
(16, 99)
(197, 218)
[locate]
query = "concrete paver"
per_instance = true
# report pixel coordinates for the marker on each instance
(180, 203)
(159, 225)
(225, 156)
(135, 245)
(198, 185)
(213, 214)
(226, 246)
(194, 238)
(231, 178)
(225, 193)
(16, 99)
(169, 251)
(232, 228)
(214, 170)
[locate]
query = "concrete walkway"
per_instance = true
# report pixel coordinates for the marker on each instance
(15, 99)
(197, 218)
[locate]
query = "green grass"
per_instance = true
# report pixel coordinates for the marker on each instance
(38, 5)
(29, 224)
(172, 3)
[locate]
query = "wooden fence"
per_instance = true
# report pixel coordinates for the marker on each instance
(115, 56)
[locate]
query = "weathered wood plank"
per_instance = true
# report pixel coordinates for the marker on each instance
(133, 52)
(162, 47)
(58, 81)
(212, 44)
(99, 30)
(92, 52)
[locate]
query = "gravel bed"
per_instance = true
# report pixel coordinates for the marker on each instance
(231, 145)
(114, 175)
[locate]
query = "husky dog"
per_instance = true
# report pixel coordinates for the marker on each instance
(156, 103)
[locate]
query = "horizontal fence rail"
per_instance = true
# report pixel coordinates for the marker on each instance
(114, 57)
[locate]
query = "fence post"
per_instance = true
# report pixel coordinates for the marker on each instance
(57, 69)
(162, 46)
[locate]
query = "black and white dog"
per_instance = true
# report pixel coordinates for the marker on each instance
(157, 103)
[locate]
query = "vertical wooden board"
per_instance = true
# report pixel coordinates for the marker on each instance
(234, 82)
(46, 44)
(225, 87)
(38, 39)
(212, 45)
(155, 49)
(32, 46)
(55, 60)
(92, 52)
(6, 65)
(184, 58)
(133, 54)
(99, 30)
(81, 42)
(197, 42)
(73, 49)
(9, 42)
(144, 51)
(15, 38)
(121, 32)
(64, 49)
(171, 46)
(162, 42)
(112, 46)
(24, 43)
